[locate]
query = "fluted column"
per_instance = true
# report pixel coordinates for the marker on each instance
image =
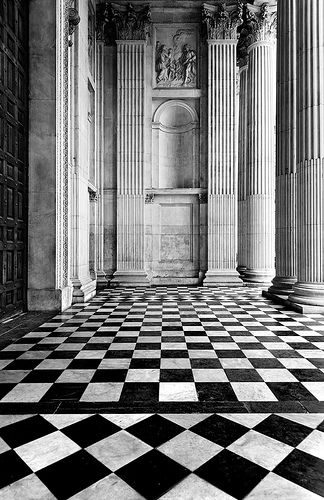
(308, 294)
(261, 145)
(242, 157)
(286, 150)
(131, 55)
(99, 151)
(222, 145)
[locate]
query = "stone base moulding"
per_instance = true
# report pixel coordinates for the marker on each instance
(282, 285)
(130, 279)
(49, 299)
(83, 291)
(222, 278)
(258, 277)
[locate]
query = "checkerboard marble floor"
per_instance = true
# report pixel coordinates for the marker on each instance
(163, 347)
(169, 456)
(175, 393)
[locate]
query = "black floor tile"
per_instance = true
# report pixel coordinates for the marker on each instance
(109, 376)
(266, 363)
(63, 391)
(26, 430)
(290, 391)
(231, 473)
(43, 376)
(210, 391)
(283, 430)
(72, 474)
(303, 469)
(308, 375)
(174, 353)
(140, 392)
(12, 468)
(176, 375)
(90, 430)
(23, 364)
(153, 474)
(145, 363)
(155, 430)
(246, 375)
(84, 364)
(220, 430)
(5, 388)
(205, 363)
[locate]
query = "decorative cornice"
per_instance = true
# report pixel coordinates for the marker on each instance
(74, 20)
(222, 20)
(122, 22)
(260, 24)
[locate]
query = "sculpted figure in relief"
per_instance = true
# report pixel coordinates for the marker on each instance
(176, 66)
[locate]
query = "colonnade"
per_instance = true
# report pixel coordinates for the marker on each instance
(253, 156)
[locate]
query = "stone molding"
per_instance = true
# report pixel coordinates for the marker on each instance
(222, 20)
(122, 22)
(62, 180)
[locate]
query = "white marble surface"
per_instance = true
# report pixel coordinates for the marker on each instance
(118, 450)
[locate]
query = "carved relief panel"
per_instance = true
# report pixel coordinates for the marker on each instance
(175, 56)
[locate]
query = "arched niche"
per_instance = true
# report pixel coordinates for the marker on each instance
(175, 146)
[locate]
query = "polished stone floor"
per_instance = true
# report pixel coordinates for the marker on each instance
(164, 348)
(169, 456)
(170, 392)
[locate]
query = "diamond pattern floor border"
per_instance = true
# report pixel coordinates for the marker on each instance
(168, 349)
(167, 456)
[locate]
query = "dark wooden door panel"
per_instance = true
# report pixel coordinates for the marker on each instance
(13, 152)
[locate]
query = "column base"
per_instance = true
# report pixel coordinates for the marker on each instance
(130, 279)
(307, 297)
(241, 270)
(102, 280)
(225, 277)
(49, 299)
(282, 285)
(258, 277)
(83, 290)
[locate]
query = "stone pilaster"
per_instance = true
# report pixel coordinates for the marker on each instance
(242, 157)
(131, 27)
(101, 276)
(222, 22)
(308, 294)
(260, 28)
(286, 150)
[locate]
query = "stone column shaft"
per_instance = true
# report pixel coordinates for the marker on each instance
(222, 146)
(286, 150)
(222, 214)
(242, 150)
(261, 154)
(99, 151)
(308, 294)
(130, 159)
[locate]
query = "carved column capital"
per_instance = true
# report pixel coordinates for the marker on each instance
(131, 23)
(122, 22)
(260, 23)
(222, 20)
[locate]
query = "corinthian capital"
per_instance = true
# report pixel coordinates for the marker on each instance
(261, 23)
(131, 23)
(122, 22)
(222, 20)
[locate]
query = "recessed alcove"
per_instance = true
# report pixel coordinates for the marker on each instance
(175, 146)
